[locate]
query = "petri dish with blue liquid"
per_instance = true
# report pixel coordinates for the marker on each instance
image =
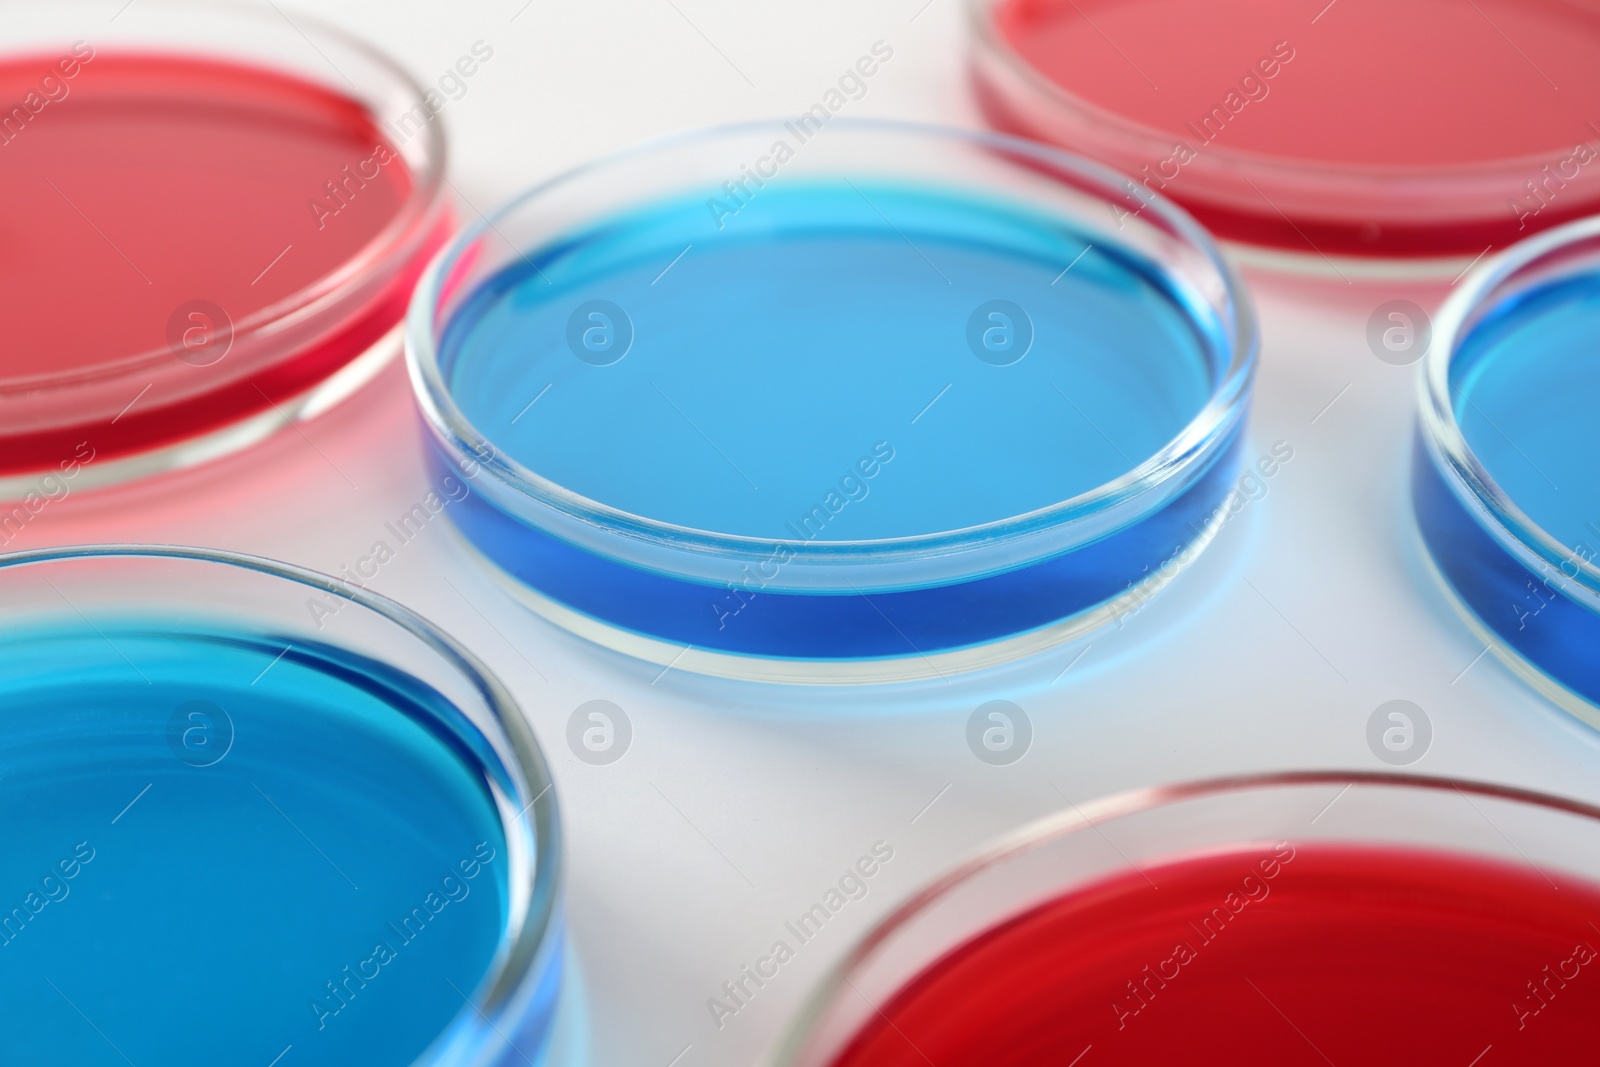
(1506, 485)
(839, 402)
(254, 815)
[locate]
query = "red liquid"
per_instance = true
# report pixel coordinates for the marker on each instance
(1344, 956)
(145, 182)
(1441, 83)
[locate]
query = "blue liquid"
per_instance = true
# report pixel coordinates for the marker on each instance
(787, 353)
(834, 362)
(157, 907)
(1526, 389)
(1526, 385)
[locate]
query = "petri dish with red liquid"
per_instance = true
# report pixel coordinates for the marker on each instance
(1297, 919)
(212, 216)
(1327, 131)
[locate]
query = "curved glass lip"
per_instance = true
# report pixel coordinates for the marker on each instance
(1087, 816)
(1508, 524)
(1193, 444)
(394, 244)
(521, 945)
(1376, 181)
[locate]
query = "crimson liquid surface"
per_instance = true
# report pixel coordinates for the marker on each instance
(1435, 83)
(1278, 955)
(139, 183)
(1371, 81)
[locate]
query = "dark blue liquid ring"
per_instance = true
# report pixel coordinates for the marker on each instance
(749, 362)
(848, 625)
(1542, 624)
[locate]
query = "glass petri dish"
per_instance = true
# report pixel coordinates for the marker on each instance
(291, 807)
(1274, 919)
(1314, 134)
(1506, 492)
(215, 214)
(866, 403)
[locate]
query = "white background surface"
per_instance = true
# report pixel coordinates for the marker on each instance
(737, 805)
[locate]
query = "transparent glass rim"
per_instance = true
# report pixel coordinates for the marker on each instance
(1374, 183)
(522, 945)
(1086, 817)
(393, 246)
(1193, 446)
(1507, 523)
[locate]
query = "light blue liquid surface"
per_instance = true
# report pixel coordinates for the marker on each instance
(167, 914)
(776, 359)
(1526, 387)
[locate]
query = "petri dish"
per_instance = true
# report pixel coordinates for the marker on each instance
(1272, 919)
(215, 215)
(1506, 493)
(251, 809)
(867, 403)
(1316, 134)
